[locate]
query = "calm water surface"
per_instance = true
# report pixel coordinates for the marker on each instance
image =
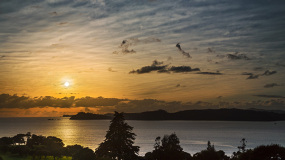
(193, 135)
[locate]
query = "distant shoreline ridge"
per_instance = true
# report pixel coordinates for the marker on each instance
(197, 115)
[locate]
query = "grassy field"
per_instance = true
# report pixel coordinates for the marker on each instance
(13, 157)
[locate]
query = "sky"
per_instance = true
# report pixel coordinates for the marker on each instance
(66, 56)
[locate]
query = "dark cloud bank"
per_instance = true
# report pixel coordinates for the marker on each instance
(105, 105)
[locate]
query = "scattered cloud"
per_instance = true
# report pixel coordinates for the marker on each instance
(258, 68)
(126, 44)
(253, 76)
(111, 70)
(62, 23)
(179, 85)
(270, 96)
(271, 85)
(169, 58)
(53, 13)
(280, 64)
(237, 56)
(268, 73)
(247, 73)
(156, 66)
(210, 50)
(210, 73)
(186, 54)
(180, 69)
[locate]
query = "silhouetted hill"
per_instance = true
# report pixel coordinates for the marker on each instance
(207, 114)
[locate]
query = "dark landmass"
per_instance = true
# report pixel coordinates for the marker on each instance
(89, 116)
(65, 115)
(200, 115)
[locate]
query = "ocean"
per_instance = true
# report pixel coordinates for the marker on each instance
(193, 135)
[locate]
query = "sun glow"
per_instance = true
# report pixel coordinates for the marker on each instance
(66, 84)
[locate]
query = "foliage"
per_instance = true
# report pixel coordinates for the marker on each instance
(80, 153)
(263, 152)
(168, 149)
(119, 141)
(210, 154)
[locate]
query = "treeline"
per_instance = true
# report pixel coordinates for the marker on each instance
(119, 145)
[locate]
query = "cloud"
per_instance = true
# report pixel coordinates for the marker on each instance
(210, 73)
(169, 58)
(107, 105)
(237, 56)
(253, 76)
(271, 85)
(63, 23)
(111, 70)
(86, 109)
(53, 13)
(180, 69)
(280, 64)
(132, 42)
(179, 85)
(94, 102)
(15, 101)
(270, 96)
(258, 68)
(156, 66)
(186, 54)
(268, 73)
(210, 50)
(247, 73)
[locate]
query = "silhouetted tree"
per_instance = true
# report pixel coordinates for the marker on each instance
(243, 145)
(84, 154)
(5, 141)
(210, 147)
(268, 152)
(19, 139)
(55, 146)
(78, 152)
(241, 149)
(169, 149)
(119, 141)
(210, 154)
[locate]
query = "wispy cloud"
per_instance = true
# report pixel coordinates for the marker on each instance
(132, 42)
(237, 56)
(271, 85)
(269, 96)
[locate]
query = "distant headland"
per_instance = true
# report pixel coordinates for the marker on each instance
(197, 115)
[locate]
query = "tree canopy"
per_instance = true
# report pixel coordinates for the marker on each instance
(119, 140)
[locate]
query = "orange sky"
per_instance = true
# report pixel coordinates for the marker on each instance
(129, 50)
